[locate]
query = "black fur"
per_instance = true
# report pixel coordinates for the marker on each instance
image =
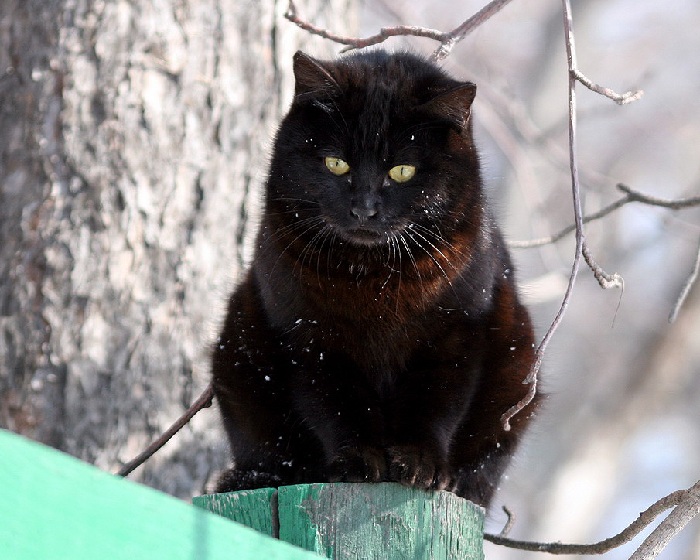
(378, 335)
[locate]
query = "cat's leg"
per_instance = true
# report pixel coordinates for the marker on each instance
(482, 448)
(426, 409)
(270, 444)
(345, 414)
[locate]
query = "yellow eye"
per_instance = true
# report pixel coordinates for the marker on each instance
(337, 166)
(402, 173)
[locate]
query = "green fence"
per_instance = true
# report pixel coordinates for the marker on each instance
(53, 506)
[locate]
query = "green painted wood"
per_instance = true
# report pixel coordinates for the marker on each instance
(380, 521)
(252, 508)
(366, 521)
(53, 506)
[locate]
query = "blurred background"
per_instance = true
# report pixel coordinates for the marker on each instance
(133, 142)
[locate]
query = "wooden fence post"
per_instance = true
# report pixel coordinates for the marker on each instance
(360, 521)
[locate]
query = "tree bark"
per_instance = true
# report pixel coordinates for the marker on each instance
(133, 142)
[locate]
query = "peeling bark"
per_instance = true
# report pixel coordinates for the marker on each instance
(133, 143)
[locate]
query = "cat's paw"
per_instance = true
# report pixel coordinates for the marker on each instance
(475, 484)
(415, 466)
(363, 464)
(233, 480)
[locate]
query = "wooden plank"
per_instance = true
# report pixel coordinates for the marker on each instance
(368, 521)
(252, 508)
(53, 506)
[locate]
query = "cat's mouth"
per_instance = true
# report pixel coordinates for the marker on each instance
(365, 236)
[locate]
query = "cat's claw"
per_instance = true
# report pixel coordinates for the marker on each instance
(416, 467)
(365, 464)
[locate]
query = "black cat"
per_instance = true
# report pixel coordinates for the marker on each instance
(378, 335)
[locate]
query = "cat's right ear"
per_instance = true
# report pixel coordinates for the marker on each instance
(312, 79)
(454, 105)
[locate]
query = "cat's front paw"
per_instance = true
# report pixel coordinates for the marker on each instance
(364, 464)
(418, 467)
(233, 480)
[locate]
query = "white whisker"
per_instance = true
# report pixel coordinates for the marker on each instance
(438, 238)
(410, 256)
(447, 260)
(311, 222)
(432, 257)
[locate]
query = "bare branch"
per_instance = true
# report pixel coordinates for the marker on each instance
(204, 401)
(542, 241)
(686, 289)
(358, 43)
(456, 35)
(663, 203)
(630, 196)
(531, 378)
(620, 99)
(605, 280)
(689, 497)
(687, 509)
(509, 522)
(447, 39)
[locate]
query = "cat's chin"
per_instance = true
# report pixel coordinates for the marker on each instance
(364, 237)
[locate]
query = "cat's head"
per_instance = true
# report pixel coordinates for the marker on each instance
(373, 143)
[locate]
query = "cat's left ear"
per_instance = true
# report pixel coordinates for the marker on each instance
(454, 105)
(312, 79)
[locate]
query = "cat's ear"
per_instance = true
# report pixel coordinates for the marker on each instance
(453, 105)
(312, 79)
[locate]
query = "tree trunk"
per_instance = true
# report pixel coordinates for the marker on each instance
(133, 142)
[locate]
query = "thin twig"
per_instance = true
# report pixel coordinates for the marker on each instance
(447, 39)
(662, 202)
(531, 378)
(619, 98)
(686, 289)
(630, 196)
(456, 35)
(645, 518)
(509, 522)
(204, 401)
(358, 43)
(605, 280)
(542, 241)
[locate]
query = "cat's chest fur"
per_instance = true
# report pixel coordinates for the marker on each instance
(382, 318)
(321, 316)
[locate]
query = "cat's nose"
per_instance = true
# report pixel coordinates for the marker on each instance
(363, 212)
